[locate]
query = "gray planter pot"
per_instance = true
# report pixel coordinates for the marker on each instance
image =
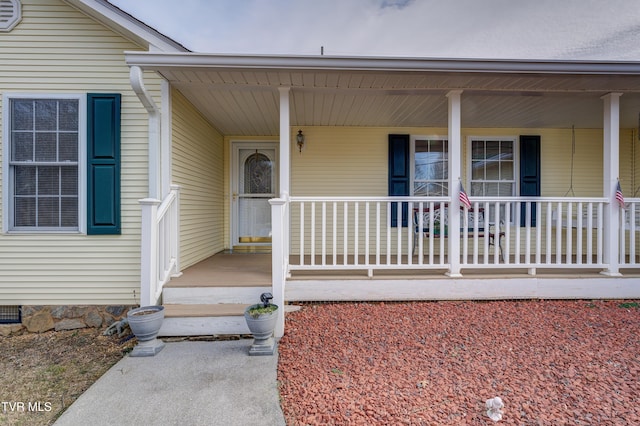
(145, 323)
(262, 327)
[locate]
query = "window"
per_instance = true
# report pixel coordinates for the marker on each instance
(493, 171)
(430, 167)
(44, 141)
(493, 167)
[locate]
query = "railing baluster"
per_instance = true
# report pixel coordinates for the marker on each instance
(548, 233)
(399, 233)
(378, 233)
(599, 241)
(313, 233)
(569, 244)
(389, 207)
(366, 233)
(589, 233)
(302, 233)
(356, 236)
(538, 232)
(579, 229)
(345, 233)
(632, 233)
(334, 246)
(559, 234)
(324, 234)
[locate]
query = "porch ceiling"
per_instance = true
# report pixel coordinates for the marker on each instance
(239, 95)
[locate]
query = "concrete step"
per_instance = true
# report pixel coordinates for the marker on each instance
(213, 295)
(204, 319)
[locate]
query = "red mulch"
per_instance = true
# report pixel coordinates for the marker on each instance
(436, 363)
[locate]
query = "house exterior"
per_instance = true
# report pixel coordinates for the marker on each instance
(348, 169)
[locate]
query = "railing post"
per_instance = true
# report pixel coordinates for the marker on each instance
(149, 252)
(175, 238)
(279, 257)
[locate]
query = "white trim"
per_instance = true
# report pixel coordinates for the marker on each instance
(516, 160)
(412, 155)
(442, 288)
(82, 162)
(153, 60)
(235, 146)
(166, 131)
(126, 25)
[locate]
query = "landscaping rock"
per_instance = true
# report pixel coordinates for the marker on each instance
(39, 322)
(9, 329)
(69, 324)
(93, 318)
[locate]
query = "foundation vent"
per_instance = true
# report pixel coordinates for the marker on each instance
(10, 315)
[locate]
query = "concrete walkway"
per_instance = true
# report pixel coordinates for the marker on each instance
(187, 383)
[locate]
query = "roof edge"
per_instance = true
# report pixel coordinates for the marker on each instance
(127, 25)
(153, 60)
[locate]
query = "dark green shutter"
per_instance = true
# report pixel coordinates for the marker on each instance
(399, 174)
(103, 163)
(529, 174)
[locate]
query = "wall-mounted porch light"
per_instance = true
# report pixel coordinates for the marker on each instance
(300, 140)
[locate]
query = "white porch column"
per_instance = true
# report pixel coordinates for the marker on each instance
(165, 139)
(280, 214)
(611, 170)
(285, 141)
(455, 174)
(285, 157)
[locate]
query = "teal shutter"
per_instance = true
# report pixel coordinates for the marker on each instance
(103, 163)
(529, 174)
(399, 174)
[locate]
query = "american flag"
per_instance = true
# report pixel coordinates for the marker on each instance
(619, 196)
(464, 199)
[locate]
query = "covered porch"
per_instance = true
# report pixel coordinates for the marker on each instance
(342, 221)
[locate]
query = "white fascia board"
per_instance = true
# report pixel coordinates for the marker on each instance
(156, 61)
(126, 25)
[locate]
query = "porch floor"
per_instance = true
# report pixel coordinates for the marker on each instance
(227, 270)
(254, 270)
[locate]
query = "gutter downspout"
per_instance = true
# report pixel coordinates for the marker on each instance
(137, 83)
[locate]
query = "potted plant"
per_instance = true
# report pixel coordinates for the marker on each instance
(145, 323)
(261, 319)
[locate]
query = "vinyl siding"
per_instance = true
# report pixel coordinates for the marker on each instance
(198, 157)
(353, 160)
(57, 49)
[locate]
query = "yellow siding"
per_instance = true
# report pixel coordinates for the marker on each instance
(353, 160)
(198, 167)
(56, 49)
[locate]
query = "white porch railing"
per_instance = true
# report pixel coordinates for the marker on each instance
(630, 234)
(160, 256)
(356, 233)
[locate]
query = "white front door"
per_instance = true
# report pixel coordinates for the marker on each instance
(254, 180)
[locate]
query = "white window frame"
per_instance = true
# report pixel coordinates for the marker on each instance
(516, 162)
(7, 172)
(412, 154)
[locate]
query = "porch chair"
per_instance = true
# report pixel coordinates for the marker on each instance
(440, 221)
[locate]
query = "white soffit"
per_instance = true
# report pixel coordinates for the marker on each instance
(239, 94)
